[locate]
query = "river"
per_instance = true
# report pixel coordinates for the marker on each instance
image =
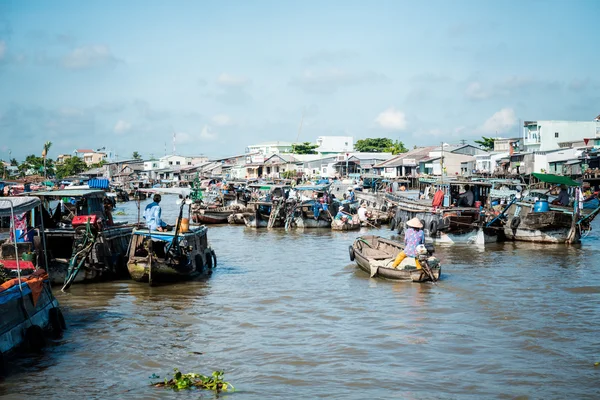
(287, 315)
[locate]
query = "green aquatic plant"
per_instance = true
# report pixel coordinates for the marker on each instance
(180, 381)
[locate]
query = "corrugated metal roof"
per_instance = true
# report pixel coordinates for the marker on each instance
(71, 193)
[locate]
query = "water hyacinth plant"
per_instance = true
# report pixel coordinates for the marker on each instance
(180, 381)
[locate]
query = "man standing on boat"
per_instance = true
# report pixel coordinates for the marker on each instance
(152, 215)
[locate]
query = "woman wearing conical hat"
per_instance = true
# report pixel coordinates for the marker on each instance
(413, 236)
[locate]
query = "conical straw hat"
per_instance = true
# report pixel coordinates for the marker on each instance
(415, 223)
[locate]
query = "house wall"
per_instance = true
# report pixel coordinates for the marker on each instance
(270, 148)
(546, 135)
(335, 144)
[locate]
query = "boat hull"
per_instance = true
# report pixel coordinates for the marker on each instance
(386, 250)
(19, 313)
(106, 261)
(149, 261)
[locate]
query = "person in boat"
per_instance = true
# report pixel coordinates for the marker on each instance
(351, 195)
(563, 197)
(466, 198)
(413, 237)
(108, 207)
(152, 215)
(362, 212)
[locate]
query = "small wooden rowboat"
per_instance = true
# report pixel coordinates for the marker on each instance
(161, 257)
(352, 224)
(375, 255)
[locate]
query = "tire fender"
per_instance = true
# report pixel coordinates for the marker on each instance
(351, 252)
(214, 258)
(433, 227)
(392, 224)
(34, 337)
(208, 259)
(57, 320)
(515, 222)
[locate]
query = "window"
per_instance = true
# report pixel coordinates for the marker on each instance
(555, 134)
(170, 162)
(189, 163)
(177, 163)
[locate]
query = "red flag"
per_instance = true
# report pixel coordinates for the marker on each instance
(586, 141)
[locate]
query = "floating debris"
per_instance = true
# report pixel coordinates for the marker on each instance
(180, 381)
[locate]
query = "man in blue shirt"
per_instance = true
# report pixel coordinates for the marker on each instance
(152, 215)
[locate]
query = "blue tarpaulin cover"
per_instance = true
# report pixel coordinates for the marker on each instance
(98, 183)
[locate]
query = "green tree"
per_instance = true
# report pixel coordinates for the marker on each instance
(304, 148)
(35, 165)
(99, 164)
(289, 174)
(375, 145)
(136, 155)
(14, 162)
(45, 151)
(396, 148)
(71, 166)
(486, 143)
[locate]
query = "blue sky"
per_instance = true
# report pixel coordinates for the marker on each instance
(221, 75)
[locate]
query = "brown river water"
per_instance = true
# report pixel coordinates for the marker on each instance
(287, 315)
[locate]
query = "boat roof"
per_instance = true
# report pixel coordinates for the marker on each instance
(315, 188)
(71, 193)
(267, 186)
(454, 182)
(19, 205)
(556, 179)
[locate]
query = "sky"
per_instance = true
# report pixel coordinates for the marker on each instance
(212, 77)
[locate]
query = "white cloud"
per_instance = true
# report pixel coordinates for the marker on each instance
(500, 122)
(88, 57)
(207, 133)
(122, 127)
(226, 79)
(392, 119)
(2, 49)
(222, 120)
(475, 91)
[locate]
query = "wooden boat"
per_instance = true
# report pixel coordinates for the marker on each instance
(534, 219)
(269, 209)
(374, 255)
(27, 305)
(82, 243)
(308, 204)
(448, 223)
(162, 257)
(350, 224)
(214, 215)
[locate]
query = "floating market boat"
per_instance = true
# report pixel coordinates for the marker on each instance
(534, 219)
(446, 222)
(27, 305)
(269, 208)
(163, 257)
(214, 215)
(310, 207)
(352, 223)
(375, 255)
(83, 242)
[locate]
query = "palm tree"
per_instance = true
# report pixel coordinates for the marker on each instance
(47, 146)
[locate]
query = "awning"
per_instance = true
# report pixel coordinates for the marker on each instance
(19, 205)
(556, 179)
(573, 162)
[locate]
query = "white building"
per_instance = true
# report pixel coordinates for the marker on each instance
(552, 135)
(269, 148)
(335, 144)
